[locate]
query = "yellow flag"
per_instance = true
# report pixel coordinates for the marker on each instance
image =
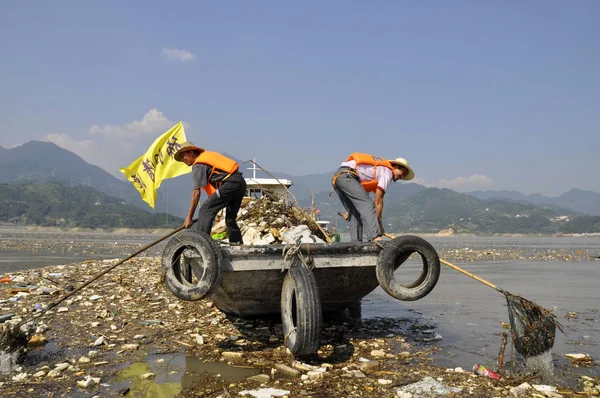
(157, 164)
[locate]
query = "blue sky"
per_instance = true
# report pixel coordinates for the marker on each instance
(475, 94)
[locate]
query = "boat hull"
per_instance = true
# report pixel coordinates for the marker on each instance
(253, 276)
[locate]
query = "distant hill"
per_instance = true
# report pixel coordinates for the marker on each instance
(330, 205)
(411, 207)
(408, 206)
(435, 209)
(54, 204)
(179, 189)
(577, 200)
(38, 161)
(502, 194)
(3, 155)
(589, 224)
(431, 210)
(582, 201)
(315, 182)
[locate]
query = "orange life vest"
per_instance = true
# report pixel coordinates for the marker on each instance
(216, 161)
(375, 161)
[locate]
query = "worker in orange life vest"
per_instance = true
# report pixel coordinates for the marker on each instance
(359, 175)
(221, 179)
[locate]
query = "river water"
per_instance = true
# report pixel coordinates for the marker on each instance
(463, 312)
(467, 314)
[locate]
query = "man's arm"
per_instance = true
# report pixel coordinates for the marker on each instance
(200, 173)
(379, 207)
(193, 204)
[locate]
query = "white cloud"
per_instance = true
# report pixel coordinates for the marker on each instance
(154, 122)
(465, 184)
(11, 146)
(81, 148)
(109, 156)
(174, 54)
(116, 146)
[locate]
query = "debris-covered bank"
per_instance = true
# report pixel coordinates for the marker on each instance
(80, 346)
(85, 345)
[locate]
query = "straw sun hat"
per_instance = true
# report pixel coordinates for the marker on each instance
(404, 163)
(186, 146)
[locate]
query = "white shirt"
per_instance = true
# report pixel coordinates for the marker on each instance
(365, 173)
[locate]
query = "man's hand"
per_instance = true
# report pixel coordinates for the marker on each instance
(343, 215)
(193, 204)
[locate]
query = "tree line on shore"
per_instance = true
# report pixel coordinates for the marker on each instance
(54, 204)
(428, 211)
(432, 210)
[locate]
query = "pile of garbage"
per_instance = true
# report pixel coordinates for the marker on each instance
(272, 219)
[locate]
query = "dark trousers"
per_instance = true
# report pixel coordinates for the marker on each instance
(230, 195)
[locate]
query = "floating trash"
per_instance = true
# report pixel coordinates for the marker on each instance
(481, 370)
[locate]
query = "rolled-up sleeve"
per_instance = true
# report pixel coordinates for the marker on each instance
(200, 174)
(384, 178)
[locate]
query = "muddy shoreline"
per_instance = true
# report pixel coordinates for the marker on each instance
(134, 320)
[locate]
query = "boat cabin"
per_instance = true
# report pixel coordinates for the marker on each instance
(255, 186)
(323, 224)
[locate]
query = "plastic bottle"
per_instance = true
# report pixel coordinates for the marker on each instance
(483, 371)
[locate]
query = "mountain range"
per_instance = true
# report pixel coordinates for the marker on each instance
(577, 200)
(54, 204)
(409, 206)
(38, 161)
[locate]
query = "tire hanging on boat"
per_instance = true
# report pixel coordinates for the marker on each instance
(301, 313)
(188, 254)
(395, 254)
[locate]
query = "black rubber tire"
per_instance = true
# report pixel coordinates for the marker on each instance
(397, 252)
(301, 312)
(205, 261)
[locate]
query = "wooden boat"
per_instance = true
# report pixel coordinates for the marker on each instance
(298, 281)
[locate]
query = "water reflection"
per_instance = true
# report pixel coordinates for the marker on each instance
(161, 386)
(172, 373)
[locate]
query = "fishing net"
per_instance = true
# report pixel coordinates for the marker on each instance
(533, 327)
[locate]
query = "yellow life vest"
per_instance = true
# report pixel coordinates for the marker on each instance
(216, 161)
(375, 161)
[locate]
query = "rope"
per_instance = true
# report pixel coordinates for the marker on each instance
(285, 338)
(291, 251)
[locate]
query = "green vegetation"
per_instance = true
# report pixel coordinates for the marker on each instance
(427, 211)
(432, 210)
(587, 224)
(53, 204)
